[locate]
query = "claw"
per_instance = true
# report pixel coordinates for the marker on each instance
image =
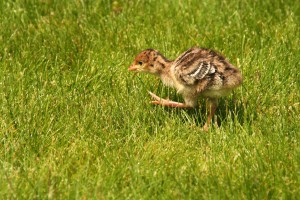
(205, 127)
(155, 102)
(154, 96)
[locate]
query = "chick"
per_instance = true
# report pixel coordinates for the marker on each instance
(196, 72)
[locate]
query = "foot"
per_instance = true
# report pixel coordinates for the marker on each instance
(205, 127)
(166, 102)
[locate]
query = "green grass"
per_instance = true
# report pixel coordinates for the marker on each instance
(75, 124)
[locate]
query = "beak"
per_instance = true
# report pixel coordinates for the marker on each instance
(132, 68)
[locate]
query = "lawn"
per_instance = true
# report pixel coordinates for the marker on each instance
(75, 124)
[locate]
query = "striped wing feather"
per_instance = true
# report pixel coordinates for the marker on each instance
(193, 65)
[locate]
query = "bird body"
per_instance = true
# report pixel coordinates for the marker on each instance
(196, 72)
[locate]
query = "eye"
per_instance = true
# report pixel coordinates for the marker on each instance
(151, 65)
(140, 62)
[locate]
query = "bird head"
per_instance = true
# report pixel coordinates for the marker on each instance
(149, 61)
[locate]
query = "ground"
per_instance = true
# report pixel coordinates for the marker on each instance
(76, 124)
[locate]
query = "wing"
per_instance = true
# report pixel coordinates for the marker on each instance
(194, 65)
(194, 73)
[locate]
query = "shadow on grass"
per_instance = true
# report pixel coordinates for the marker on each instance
(227, 108)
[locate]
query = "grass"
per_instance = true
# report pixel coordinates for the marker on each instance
(75, 124)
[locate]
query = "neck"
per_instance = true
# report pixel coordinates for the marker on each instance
(165, 74)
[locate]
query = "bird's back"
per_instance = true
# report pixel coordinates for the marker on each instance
(207, 71)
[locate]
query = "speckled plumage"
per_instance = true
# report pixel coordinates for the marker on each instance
(196, 72)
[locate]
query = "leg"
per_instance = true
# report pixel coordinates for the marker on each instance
(212, 105)
(169, 103)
